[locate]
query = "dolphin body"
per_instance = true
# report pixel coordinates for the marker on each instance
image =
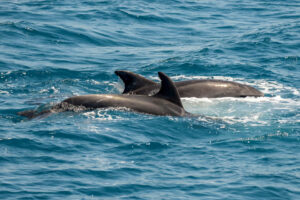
(137, 84)
(166, 102)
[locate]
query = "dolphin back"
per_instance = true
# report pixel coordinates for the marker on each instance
(206, 88)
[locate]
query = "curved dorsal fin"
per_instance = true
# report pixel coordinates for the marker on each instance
(168, 90)
(133, 81)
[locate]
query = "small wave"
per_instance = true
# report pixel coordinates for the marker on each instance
(141, 15)
(4, 92)
(143, 146)
(24, 143)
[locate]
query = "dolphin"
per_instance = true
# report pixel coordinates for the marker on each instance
(137, 84)
(166, 102)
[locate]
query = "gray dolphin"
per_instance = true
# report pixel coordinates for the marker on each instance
(137, 84)
(165, 102)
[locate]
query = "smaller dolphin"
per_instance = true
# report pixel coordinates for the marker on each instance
(166, 102)
(137, 84)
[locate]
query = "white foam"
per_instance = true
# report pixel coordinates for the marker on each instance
(53, 89)
(251, 120)
(100, 117)
(94, 82)
(118, 86)
(275, 100)
(250, 110)
(103, 114)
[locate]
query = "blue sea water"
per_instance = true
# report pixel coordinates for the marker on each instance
(245, 148)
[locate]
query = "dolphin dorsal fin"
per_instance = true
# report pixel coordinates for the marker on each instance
(133, 81)
(168, 90)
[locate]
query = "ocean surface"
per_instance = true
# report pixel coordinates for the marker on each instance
(238, 148)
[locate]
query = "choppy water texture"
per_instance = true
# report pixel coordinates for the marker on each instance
(247, 149)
